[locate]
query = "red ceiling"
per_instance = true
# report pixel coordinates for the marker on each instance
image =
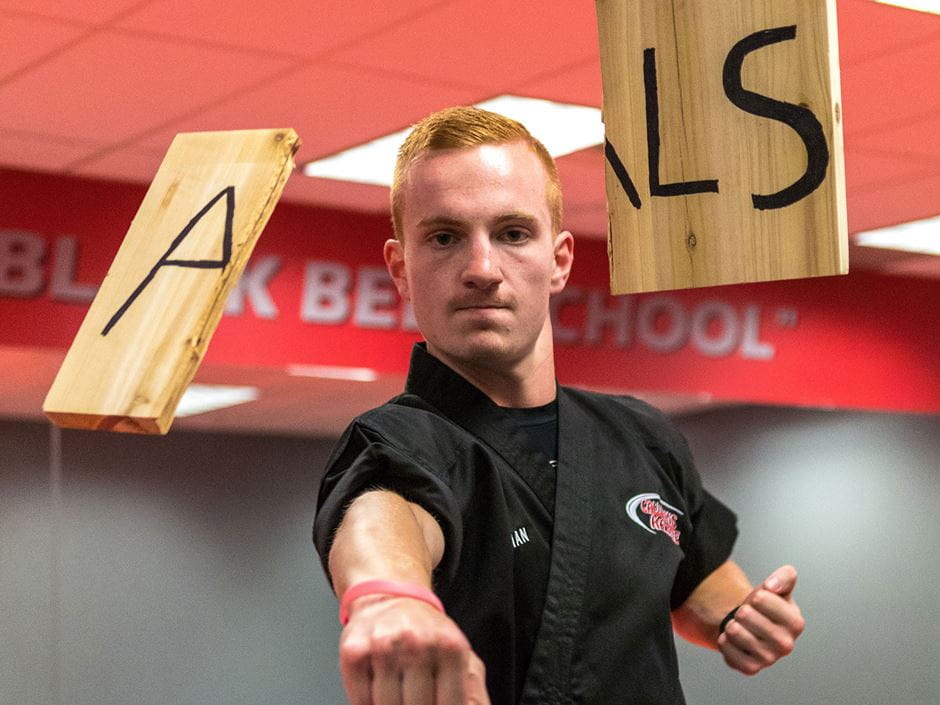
(100, 88)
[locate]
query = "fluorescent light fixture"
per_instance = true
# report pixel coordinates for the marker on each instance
(917, 236)
(562, 127)
(352, 374)
(930, 6)
(200, 398)
(369, 163)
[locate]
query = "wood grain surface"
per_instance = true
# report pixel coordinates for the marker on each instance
(724, 142)
(151, 321)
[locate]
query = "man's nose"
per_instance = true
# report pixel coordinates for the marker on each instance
(482, 268)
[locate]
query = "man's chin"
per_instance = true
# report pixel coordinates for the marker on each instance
(480, 348)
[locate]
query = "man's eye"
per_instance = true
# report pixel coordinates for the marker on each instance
(515, 235)
(442, 239)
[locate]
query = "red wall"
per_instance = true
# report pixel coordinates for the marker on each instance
(315, 292)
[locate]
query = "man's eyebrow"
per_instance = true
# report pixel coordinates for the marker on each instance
(439, 221)
(515, 217)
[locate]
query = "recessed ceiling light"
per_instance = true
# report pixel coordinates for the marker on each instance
(917, 236)
(352, 374)
(562, 127)
(930, 6)
(200, 398)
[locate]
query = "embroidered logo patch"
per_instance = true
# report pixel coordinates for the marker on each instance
(650, 511)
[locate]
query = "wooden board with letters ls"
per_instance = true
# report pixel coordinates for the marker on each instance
(150, 323)
(723, 142)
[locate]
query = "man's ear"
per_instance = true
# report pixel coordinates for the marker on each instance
(564, 257)
(394, 253)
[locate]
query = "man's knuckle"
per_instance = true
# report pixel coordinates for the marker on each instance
(451, 645)
(409, 640)
(751, 668)
(785, 645)
(416, 645)
(737, 633)
(759, 599)
(385, 646)
(799, 624)
(353, 654)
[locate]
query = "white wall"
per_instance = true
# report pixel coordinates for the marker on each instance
(850, 499)
(180, 569)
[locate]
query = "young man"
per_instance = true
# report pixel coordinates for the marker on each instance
(566, 533)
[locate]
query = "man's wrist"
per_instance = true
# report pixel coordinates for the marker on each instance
(380, 590)
(728, 617)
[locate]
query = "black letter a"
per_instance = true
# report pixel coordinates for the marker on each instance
(229, 193)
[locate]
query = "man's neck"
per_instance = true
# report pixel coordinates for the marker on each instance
(530, 382)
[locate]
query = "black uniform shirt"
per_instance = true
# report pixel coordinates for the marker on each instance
(564, 604)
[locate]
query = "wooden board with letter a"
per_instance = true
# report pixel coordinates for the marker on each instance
(150, 323)
(724, 142)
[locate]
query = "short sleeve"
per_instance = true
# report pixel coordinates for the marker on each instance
(714, 530)
(364, 460)
(714, 526)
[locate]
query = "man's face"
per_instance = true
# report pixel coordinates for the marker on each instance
(479, 257)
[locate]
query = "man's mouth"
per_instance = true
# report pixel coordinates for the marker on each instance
(480, 306)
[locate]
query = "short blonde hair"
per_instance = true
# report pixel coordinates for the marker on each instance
(453, 128)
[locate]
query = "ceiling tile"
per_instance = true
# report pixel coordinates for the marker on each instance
(580, 85)
(26, 150)
(84, 12)
(44, 36)
(892, 89)
(297, 27)
(582, 176)
(917, 140)
(582, 184)
(127, 164)
(892, 202)
(486, 44)
(336, 194)
(318, 103)
(114, 86)
(867, 168)
(869, 29)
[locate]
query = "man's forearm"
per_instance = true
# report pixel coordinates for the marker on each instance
(384, 537)
(698, 618)
(395, 649)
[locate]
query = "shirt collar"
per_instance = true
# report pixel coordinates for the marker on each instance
(456, 398)
(435, 382)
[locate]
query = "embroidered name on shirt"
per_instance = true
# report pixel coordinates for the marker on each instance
(658, 516)
(519, 537)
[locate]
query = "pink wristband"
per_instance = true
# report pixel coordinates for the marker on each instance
(385, 587)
